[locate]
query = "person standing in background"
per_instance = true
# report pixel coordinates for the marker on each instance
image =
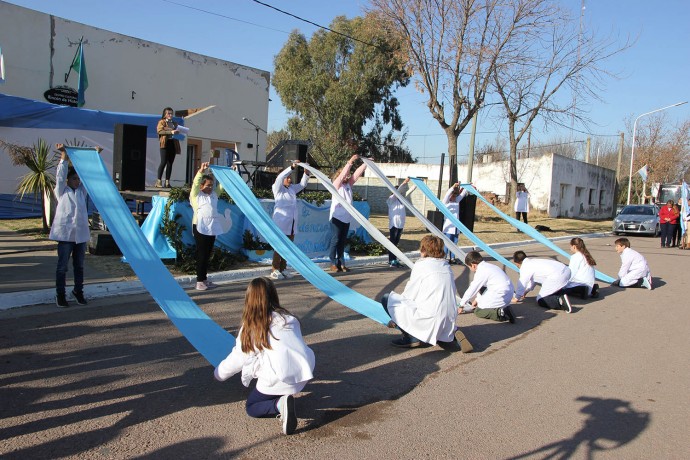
(340, 218)
(452, 200)
(396, 221)
(206, 222)
(70, 229)
(285, 213)
(169, 147)
(521, 203)
(668, 219)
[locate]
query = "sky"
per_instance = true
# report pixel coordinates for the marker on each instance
(653, 73)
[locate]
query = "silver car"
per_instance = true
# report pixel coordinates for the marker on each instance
(642, 219)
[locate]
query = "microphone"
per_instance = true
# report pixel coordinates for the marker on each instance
(244, 118)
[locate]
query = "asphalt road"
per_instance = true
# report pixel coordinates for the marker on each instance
(116, 380)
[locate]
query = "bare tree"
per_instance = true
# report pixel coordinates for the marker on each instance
(663, 147)
(453, 47)
(547, 55)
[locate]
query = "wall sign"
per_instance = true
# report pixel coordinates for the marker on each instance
(62, 95)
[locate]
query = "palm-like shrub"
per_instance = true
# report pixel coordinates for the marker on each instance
(40, 180)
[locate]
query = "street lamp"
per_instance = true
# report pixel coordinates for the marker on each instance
(632, 152)
(257, 128)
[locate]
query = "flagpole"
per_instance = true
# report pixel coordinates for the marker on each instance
(75, 55)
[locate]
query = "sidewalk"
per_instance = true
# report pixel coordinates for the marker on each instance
(27, 267)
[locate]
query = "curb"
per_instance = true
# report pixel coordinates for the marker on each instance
(101, 290)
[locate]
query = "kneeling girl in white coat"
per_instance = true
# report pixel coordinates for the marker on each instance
(426, 310)
(270, 348)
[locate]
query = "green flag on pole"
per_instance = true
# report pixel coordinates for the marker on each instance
(79, 66)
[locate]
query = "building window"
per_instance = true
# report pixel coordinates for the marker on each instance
(592, 194)
(602, 195)
(578, 192)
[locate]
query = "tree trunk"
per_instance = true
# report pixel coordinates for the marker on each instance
(452, 155)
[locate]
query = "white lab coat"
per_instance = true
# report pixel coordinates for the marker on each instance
(71, 222)
(499, 289)
(282, 370)
(285, 209)
(454, 207)
(396, 210)
(426, 309)
(522, 202)
(633, 267)
(551, 274)
(581, 273)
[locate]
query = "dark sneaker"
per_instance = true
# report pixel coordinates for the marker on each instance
(406, 342)
(465, 345)
(507, 313)
(286, 407)
(79, 297)
(61, 301)
(344, 268)
(595, 291)
(564, 302)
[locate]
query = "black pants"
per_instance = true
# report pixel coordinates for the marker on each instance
(524, 216)
(395, 234)
(551, 301)
(667, 234)
(167, 158)
(204, 248)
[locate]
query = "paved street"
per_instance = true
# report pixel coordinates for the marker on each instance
(116, 380)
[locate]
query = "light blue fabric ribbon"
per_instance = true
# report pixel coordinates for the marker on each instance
(415, 212)
(250, 206)
(212, 341)
(531, 232)
(455, 221)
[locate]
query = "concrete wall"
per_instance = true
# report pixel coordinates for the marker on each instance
(543, 176)
(127, 74)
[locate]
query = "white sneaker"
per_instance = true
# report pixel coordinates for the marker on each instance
(286, 407)
(286, 274)
(201, 286)
(275, 275)
(647, 282)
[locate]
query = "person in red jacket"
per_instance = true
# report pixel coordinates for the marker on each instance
(668, 220)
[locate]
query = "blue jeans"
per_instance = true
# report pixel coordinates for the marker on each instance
(77, 251)
(336, 248)
(454, 238)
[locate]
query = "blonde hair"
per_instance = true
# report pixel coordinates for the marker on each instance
(260, 302)
(432, 246)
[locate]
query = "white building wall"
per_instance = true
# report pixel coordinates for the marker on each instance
(127, 74)
(543, 176)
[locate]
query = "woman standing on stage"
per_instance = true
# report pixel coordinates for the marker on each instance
(169, 147)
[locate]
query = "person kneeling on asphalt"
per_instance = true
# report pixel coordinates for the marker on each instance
(426, 311)
(634, 271)
(551, 274)
(491, 290)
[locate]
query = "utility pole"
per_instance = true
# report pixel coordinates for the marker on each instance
(589, 146)
(470, 160)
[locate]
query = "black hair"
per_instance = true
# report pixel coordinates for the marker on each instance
(519, 256)
(165, 110)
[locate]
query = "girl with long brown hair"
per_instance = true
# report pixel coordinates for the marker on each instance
(271, 349)
(581, 271)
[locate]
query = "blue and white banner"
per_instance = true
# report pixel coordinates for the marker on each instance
(643, 173)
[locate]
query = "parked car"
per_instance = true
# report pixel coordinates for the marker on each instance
(641, 219)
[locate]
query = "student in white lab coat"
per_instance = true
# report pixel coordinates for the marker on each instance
(634, 271)
(581, 267)
(396, 220)
(552, 275)
(269, 348)
(489, 293)
(425, 312)
(521, 203)
(285, 213)
(452, 200)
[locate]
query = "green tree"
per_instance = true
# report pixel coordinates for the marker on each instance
(334, 84)
(39, 181)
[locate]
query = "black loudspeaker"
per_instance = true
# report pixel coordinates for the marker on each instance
(102, 243)
(467, 211)
(129, 157)
(436, 218)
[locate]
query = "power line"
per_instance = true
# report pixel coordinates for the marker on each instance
(212, 13)
(314, 23)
